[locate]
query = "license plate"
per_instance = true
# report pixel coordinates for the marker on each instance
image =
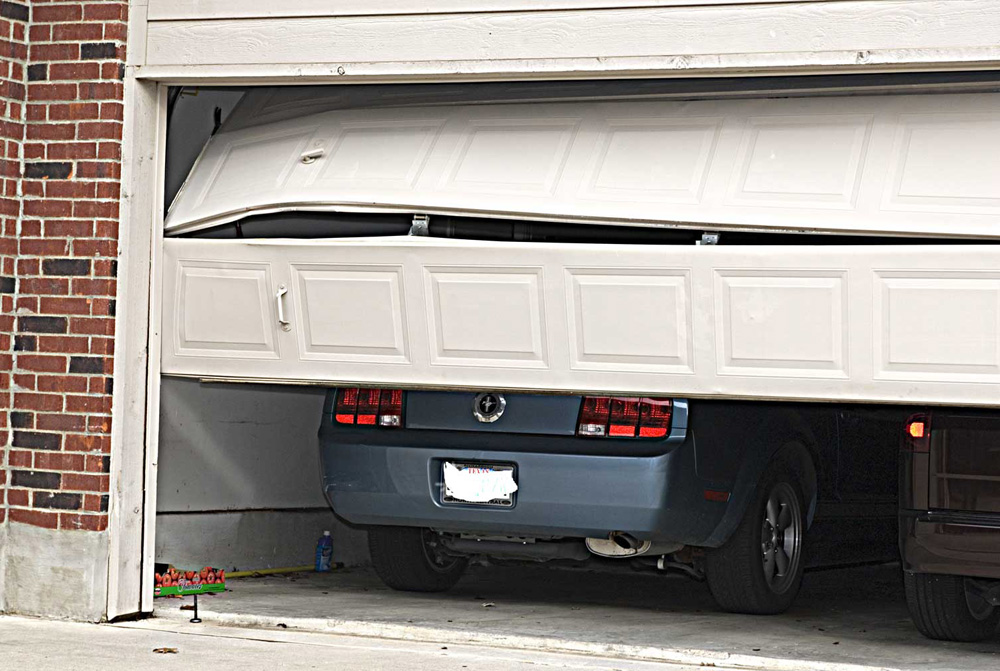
(478, 484)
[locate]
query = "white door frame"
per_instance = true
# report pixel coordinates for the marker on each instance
(132, 502)
(135, 410)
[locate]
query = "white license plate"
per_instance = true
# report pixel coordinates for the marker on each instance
(478, 484)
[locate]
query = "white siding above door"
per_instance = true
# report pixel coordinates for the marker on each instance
(229, 41)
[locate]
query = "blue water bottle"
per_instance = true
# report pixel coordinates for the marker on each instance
(324, 552)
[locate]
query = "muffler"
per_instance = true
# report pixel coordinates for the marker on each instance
(621, 545)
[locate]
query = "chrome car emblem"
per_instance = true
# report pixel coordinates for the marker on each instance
(489, 407)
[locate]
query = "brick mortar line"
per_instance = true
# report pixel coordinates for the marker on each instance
(19, 193)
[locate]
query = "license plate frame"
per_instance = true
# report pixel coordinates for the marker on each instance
(502, 503)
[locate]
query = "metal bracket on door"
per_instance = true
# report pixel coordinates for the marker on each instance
(279, 298)
(420, 225)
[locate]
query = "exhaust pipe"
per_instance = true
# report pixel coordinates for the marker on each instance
(617, 545)
(622, 545)
(625, 541)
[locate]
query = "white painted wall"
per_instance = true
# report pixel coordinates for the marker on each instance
(239, 478)
(234, 447)
(254, 539)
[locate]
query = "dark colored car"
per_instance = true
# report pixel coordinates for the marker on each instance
(720, 490)
(950, 522)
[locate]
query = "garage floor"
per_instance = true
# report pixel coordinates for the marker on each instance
(843, 617)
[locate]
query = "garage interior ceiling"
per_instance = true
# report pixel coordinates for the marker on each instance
(905, 165)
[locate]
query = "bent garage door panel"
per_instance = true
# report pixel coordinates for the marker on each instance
(915, 324)
(924, 165)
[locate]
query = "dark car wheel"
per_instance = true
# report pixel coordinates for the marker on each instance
(944, 607)
(759, 569)
(405, 558)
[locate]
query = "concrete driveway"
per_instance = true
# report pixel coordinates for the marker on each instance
(42, 645)
(845, 618)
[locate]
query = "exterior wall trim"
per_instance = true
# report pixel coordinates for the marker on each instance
(177, 10)
(132, 501)
(729, 65)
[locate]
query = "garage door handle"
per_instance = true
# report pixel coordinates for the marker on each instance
(280, 300)
(311, 156)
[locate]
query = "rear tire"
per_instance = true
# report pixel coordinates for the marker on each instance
(759, 569)
(944, 610)
(405, 559)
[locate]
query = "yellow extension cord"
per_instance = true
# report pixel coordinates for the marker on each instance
(270, 571)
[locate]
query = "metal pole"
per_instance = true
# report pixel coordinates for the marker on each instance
(196, 619)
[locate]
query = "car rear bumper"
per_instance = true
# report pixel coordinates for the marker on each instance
(652, 497)
(950, 542)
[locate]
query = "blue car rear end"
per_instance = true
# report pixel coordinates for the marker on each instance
(578, 476)
(568, 485)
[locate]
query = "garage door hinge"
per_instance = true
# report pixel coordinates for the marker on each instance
(420, 225)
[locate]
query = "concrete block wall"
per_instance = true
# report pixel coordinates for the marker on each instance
(62, 90)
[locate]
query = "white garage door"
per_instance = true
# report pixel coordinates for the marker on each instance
(906, 324)
(890, 164)
(879, 323)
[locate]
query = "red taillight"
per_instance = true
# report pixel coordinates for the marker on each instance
(346, 406)
(917, 434)
(654, 422)
(369, 407)
(618, 417)
(624, 417)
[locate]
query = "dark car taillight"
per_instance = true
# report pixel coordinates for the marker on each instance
(369, 407)
(917, 433)
(623, 417)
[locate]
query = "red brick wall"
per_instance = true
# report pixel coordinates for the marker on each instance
(64, 255)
